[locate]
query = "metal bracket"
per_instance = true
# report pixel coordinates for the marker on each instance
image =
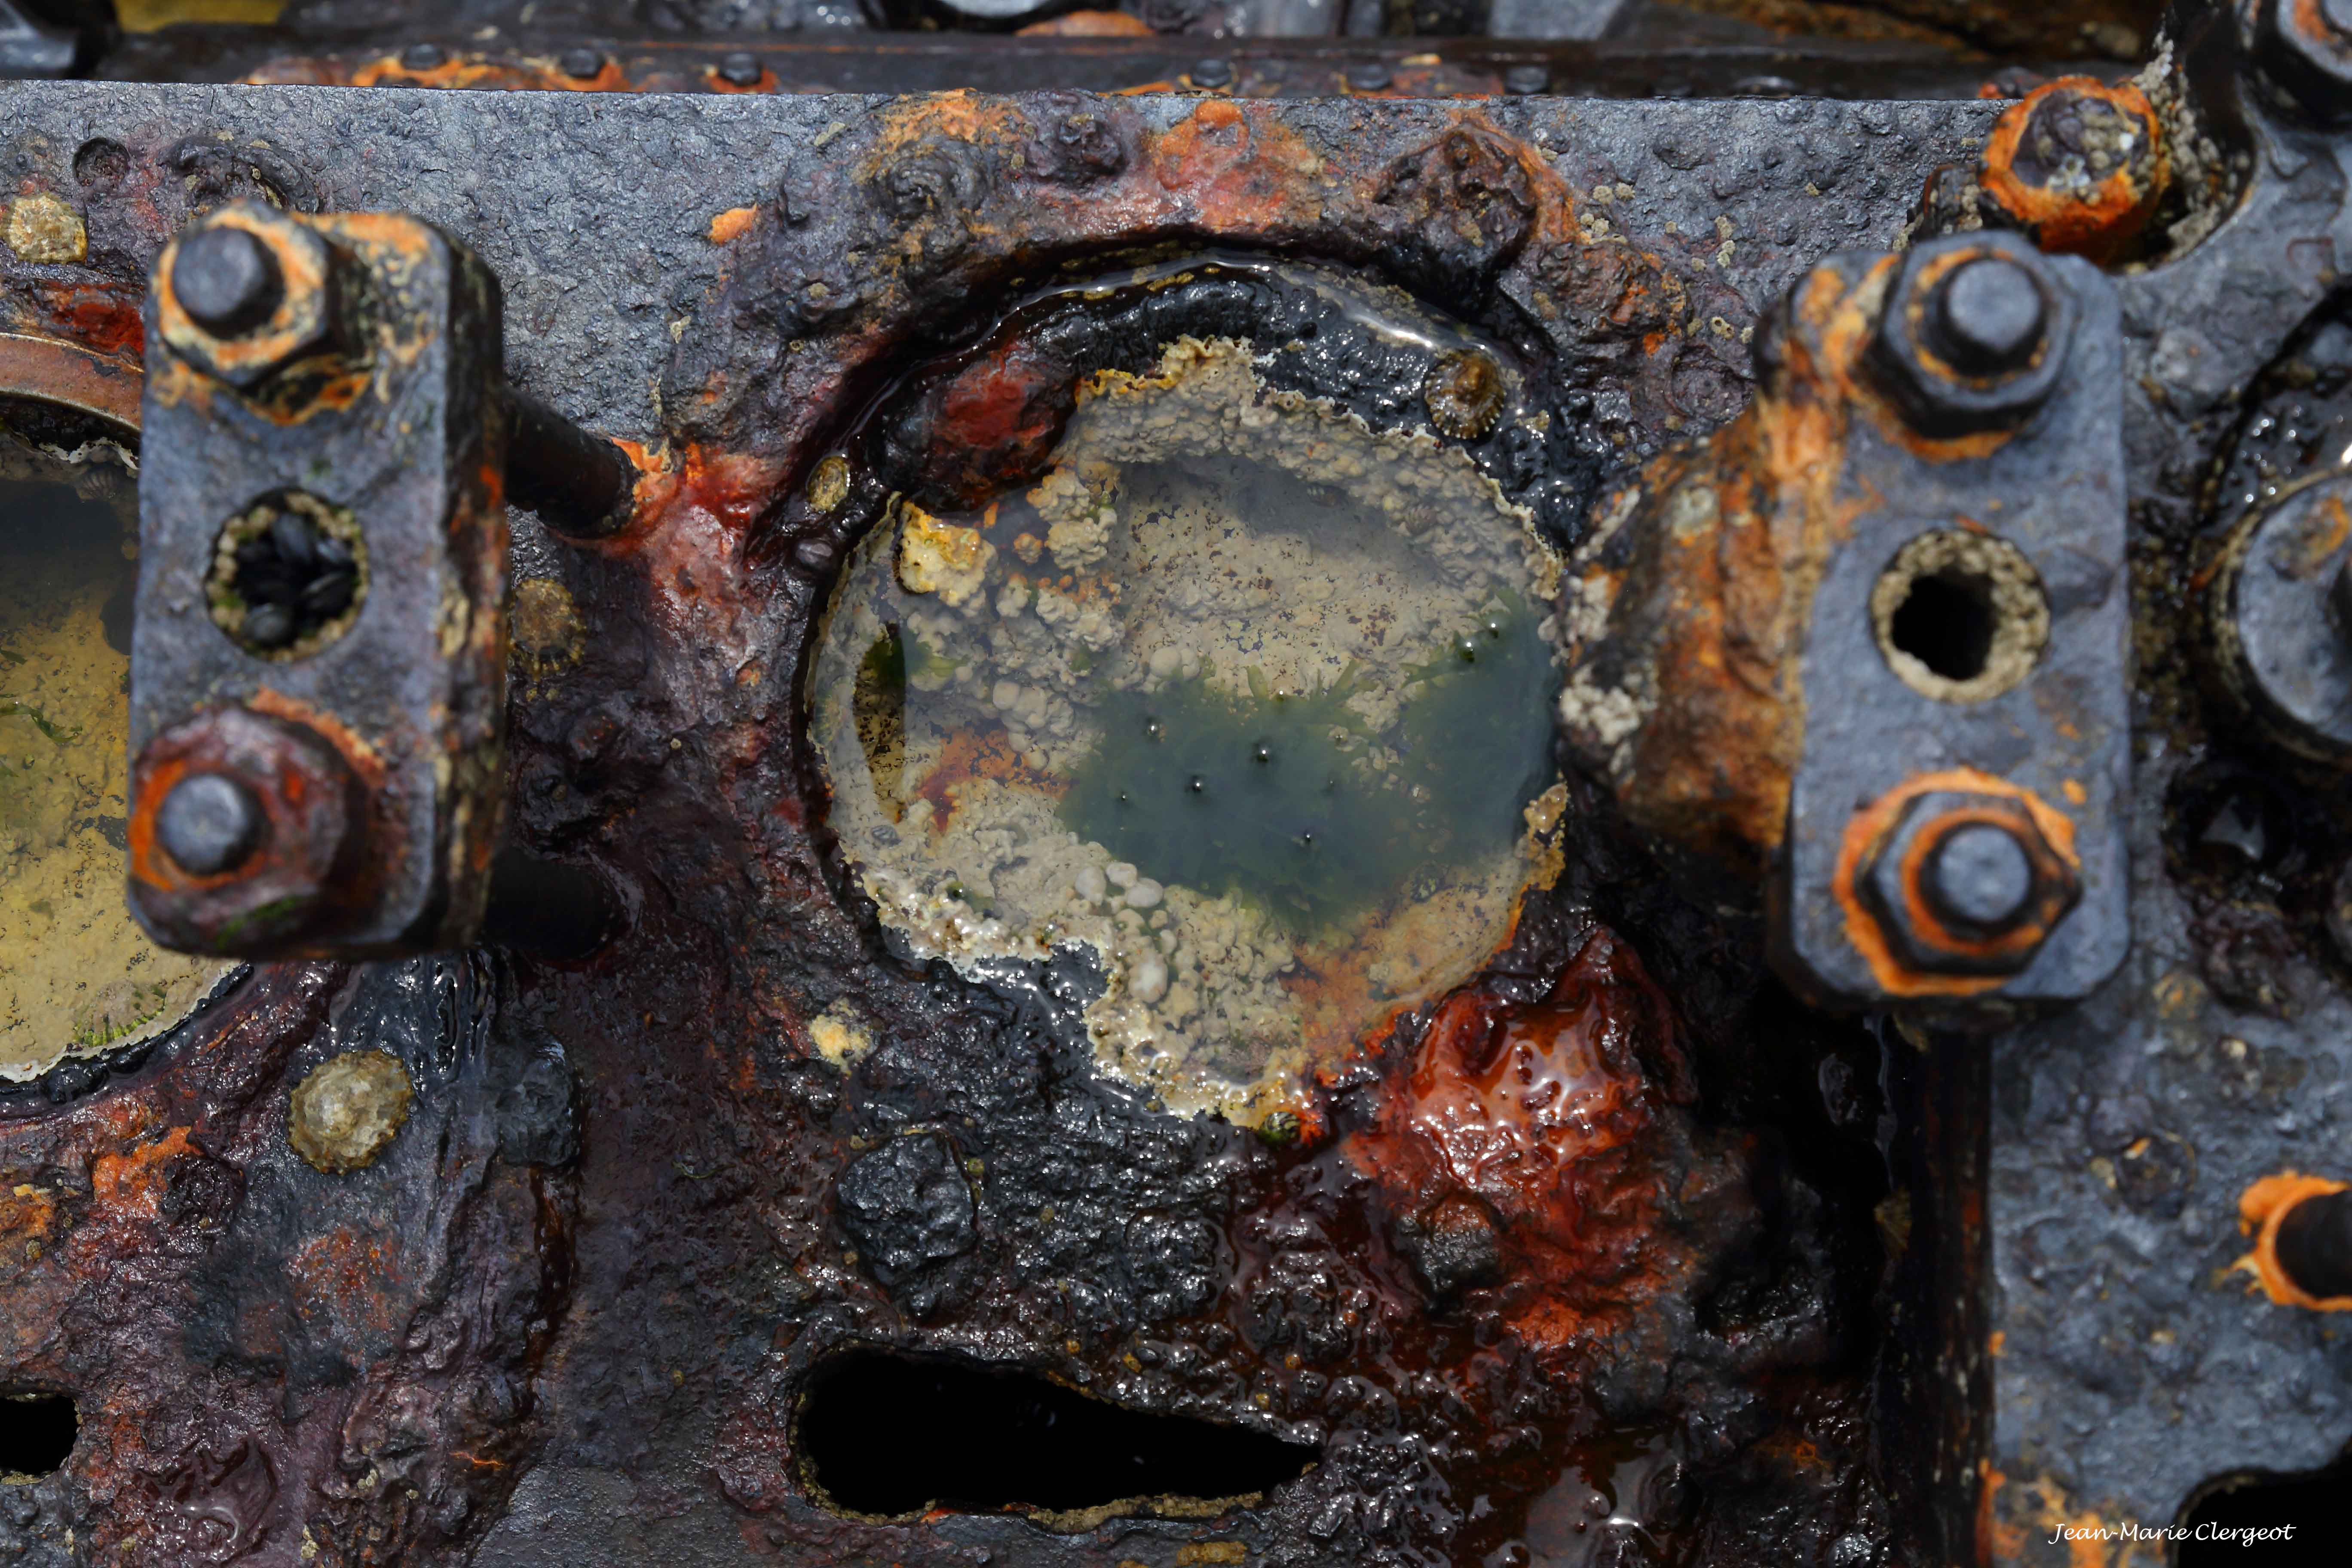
(319, 665)
(1955, 817)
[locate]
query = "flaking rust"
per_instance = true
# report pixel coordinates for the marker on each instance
(1558, 1235)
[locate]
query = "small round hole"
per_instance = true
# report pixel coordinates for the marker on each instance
(36, 1435)
(1946, 622)
(288, 575)
(1961, 617)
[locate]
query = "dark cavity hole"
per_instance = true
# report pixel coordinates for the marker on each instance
(36, 1434)
(1945, 622)
(892, 1435)
(2306, 1516)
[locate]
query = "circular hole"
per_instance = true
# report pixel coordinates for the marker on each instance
(100, 161)
(1961, 617)
(36, 1435)
(1945, 622)
(288, 575)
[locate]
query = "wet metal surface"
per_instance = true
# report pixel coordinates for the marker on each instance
(1588, 1243)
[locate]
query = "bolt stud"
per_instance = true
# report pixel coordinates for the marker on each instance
(1989, 316)
(227, 280)
(1980, 875)
(209, 824)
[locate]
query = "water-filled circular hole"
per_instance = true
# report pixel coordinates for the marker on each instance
(1959, 616)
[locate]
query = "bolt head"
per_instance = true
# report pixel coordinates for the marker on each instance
(581, 64)
(1520, 81)
(234, 260)
(1368, 76)
(227, 280)
(1212, 72)
(1980, 876)
(1974, 332)
(739, 68)
(423, 57)
(1989, 316)
(209, 824)
(301, 809)
(1966, 883)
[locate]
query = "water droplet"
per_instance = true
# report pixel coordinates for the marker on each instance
(1466, 649)
(1155, 729)
(1197, 784)
(1262, 753)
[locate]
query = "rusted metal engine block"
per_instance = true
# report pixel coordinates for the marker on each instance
(1485, 831)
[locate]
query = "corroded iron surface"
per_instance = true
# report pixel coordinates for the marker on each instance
(1603, 1251)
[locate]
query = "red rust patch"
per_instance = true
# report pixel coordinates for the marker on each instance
(1547, 1114)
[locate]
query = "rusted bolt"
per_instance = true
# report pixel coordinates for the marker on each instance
(2079, 165)
(423, 57)
(227, 280)
(1968, 883)
(241, 827)
(1989, 316)
(740, 69)
(1368, 76)
(209, 824)
(259, 294)
(1212, 72)
(2305, 48)
(2315, 1244)
(1521, 81)
(1974, 333)
(581, 64)
(1980, 876)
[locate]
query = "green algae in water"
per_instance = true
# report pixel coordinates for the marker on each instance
(1278, 799)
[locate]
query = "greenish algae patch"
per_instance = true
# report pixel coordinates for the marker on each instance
(1248, 700)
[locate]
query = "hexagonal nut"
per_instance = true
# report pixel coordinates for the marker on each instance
(286, 885)
(1893, 884)
(1915, 363)
(298, 328)
(2303, 51)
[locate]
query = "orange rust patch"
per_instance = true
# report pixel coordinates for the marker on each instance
(733, 222)
(1089, 25)
(130, 1180)
(972, 755)
(28, 1217)
(1869, 825)
(1544, 1114)
(1238, 167)
(2261, 1208)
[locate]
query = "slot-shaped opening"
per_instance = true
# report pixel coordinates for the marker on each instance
(36, 1435)
(891, 1434)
